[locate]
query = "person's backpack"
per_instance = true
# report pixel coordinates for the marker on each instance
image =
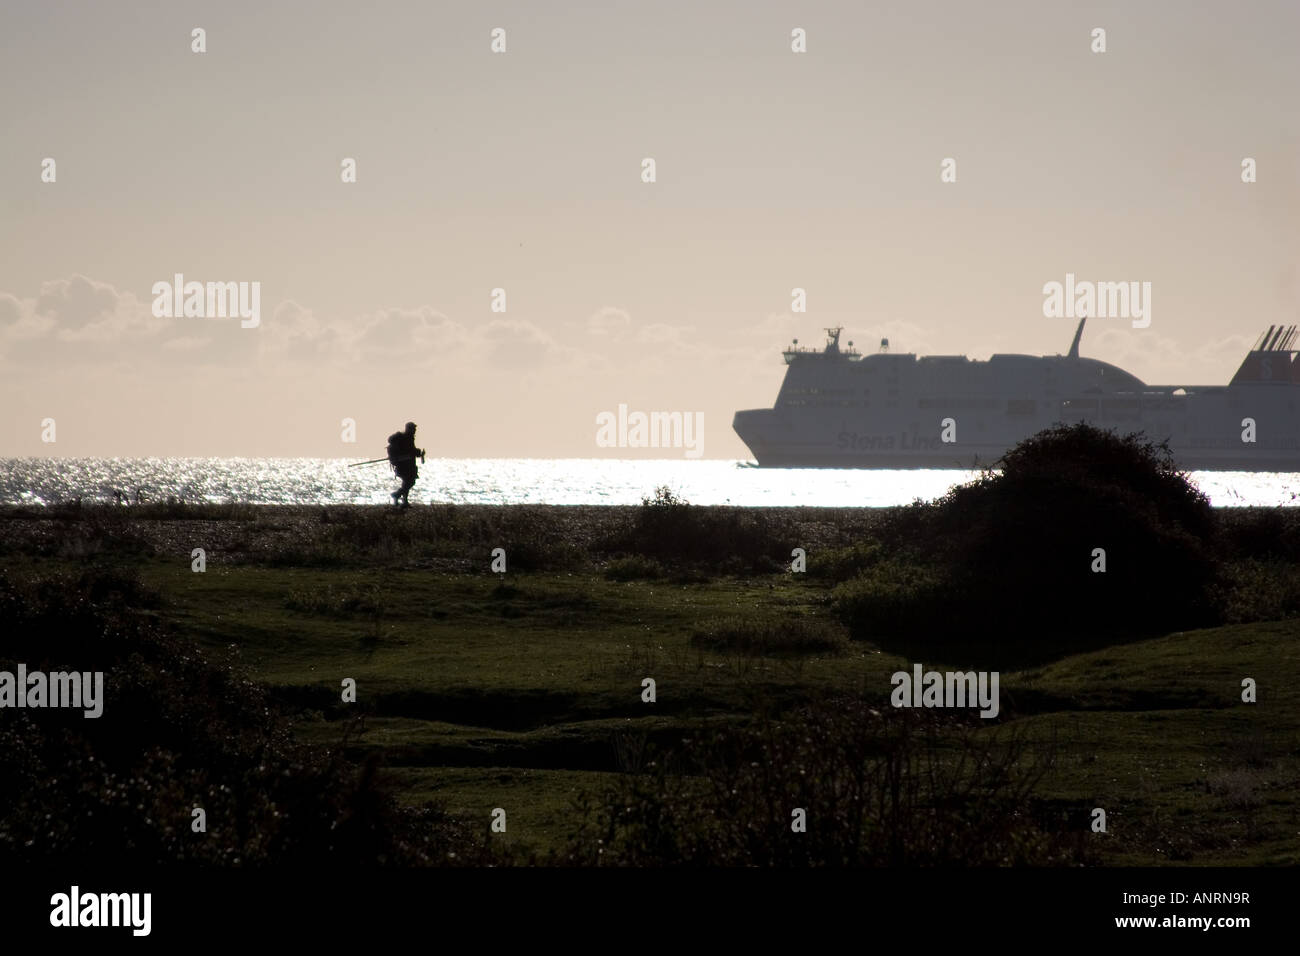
(395, 442)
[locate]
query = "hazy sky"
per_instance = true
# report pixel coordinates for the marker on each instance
(522, 171)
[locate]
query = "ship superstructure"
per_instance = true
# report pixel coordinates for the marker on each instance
(838, 408)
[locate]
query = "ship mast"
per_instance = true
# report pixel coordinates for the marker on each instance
(1078, 334)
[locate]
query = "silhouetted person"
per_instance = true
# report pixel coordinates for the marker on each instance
(401, 455)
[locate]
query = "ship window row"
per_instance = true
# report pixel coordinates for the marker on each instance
(814, 390)
(1164, 404)
(1120, 409)
(1115, 409)
(957, 403)
(821, 403)
(1123, 403)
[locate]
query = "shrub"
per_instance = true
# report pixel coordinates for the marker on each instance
(896, 597)
(898, 788)
(1009, 556)
(678, 534)
(1261, 591)
(1260, 533)
(633, 568)
(843, 564)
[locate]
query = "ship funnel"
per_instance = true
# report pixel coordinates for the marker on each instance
(1263, 364)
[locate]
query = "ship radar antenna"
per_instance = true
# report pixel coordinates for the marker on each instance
(884, 345)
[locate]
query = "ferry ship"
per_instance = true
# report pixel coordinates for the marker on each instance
(838, 408)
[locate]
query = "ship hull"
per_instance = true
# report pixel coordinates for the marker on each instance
(1203, 435)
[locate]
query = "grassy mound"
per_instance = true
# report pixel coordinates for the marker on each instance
(1013, 561)
(177, 732)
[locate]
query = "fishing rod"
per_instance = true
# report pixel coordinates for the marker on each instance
(375, 461)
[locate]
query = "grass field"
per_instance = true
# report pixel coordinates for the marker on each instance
(523, 690)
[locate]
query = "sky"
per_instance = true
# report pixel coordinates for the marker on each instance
(523, 171)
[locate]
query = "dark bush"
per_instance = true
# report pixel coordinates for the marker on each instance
(676, 533)
(1260, 533)
(842, 564)
(1261, 590)
(1009, 557)
(632, 568)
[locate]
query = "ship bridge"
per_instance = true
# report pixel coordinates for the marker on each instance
(832, 351)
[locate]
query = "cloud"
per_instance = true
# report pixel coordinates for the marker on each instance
(77, 302)
(410, 336)
(78, 321)
(1160, 360)
(11, 310)
(608, 321)
(513, 344)
(186, 343)
(293, 333)
(81, 318)
(660, 333)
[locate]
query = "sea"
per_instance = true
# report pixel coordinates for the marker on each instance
(505, 481)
